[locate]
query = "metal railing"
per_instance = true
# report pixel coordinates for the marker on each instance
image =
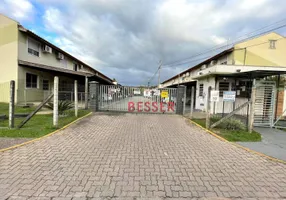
(136, 99)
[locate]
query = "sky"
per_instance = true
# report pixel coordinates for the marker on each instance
(126, 39)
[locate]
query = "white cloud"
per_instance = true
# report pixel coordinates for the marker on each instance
(127, 37)
(20, 10)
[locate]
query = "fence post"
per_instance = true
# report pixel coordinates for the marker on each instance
(86, 94)
(208, 111)
(75, 99)
(181, 99)
(94, 95)
(192, 101)
(56, 102)
(251, 107)
(12, 104)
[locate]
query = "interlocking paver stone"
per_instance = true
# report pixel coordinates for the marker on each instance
(129, 156)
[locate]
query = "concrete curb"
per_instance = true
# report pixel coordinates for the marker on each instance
(238, 145)
(40, 138)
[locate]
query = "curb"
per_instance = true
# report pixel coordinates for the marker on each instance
(40, 138)
(238, 145)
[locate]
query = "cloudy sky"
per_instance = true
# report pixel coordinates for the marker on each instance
(125, 39)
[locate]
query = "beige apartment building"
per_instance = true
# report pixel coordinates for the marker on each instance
(33, 62)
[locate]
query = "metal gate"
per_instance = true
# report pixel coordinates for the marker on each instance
(264, 107)
(137, 99)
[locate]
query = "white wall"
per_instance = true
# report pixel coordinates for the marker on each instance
(202, 100)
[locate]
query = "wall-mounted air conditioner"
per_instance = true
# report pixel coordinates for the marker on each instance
(188, 74)
(204, 66)
(47, 49)
(60, 56)
(213, 62)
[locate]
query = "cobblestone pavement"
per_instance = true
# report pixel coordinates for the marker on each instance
(137, 157)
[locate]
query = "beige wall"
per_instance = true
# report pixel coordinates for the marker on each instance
(8, 55)
(49, 59)
(258, 52)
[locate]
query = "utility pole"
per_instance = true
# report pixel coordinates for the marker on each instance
(159, 71)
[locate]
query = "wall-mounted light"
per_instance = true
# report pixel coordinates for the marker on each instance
(238, 70)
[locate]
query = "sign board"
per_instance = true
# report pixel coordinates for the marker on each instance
(147, 93)
(156, 92)
(229, 96)
(137, 91)
(164, 94)
(214, 96)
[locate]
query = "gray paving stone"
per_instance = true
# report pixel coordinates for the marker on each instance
(128, 156)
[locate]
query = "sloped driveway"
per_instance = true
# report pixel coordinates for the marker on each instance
(129, 156)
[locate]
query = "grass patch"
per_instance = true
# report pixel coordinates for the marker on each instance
(38, 126)
(233, 135)
(4, 109)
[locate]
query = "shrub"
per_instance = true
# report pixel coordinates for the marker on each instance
(63, 106)
(232, 124)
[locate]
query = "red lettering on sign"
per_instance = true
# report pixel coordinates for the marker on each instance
(161, 107)
(147, 106)
(171, 106)
(155, 107)
(131, 107)
(139, 104)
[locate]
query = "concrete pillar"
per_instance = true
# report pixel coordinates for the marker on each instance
(75, 99)
(181, 100)
(12, 104)
(86, 93)
(192, 101)
(56, 102)
(94, 95)
(251, 107)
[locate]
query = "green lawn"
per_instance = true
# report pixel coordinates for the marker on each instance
(233, 135)
(38, 126)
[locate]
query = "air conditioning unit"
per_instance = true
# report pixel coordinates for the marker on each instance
(213, 62)
(47, 49)
(204, 66)
(60, 56)
(184, 75)
(188, 74)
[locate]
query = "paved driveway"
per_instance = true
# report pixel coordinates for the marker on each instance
(135, 157)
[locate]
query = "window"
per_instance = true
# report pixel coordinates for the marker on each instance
(31, 81)
(223, 86)
(272, 44)
(46, 84)
(33, 47)
(201, 90)
(75, 67)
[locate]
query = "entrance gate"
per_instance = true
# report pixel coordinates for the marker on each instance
(264, 107)
(137, 99)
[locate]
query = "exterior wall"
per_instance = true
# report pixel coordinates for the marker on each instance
(37, 94)
(45, 58)
(260, 54)
(202, 100)
(8, 55)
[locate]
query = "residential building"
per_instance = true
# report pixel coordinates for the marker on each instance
(33, 62)
(234, 70)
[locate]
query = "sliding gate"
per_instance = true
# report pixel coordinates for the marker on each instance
(137, 99)
(264, 107)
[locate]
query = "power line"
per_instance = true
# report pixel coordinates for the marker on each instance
(283, 38)
(225, 46)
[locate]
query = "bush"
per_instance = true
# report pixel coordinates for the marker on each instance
(63, 106)
(228, 124)
(232, 124)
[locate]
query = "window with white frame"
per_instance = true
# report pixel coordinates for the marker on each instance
(272, 44)
(46, 85)
(34, 47)
(223, 86)
(31, 80)
(201, 90)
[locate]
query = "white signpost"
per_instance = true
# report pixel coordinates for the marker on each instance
(214, 96)
(229, 96)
